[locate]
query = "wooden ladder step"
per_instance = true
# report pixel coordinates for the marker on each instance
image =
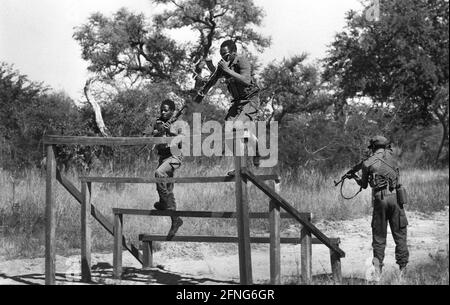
(199, 214)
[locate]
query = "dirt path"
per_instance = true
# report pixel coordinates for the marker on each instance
(428, 234)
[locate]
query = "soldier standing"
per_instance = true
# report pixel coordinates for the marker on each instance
(381, 172)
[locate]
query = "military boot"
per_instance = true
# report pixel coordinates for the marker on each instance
(177, 222)
(378, 269)
(159, 206)
(403, 271)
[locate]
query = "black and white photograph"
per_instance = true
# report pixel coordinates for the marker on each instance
(224, 149)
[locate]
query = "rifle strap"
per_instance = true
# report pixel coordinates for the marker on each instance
(349, 198)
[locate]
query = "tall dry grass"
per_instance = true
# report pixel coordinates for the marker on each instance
(23, 215)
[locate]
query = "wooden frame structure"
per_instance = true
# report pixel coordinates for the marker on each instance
(147, 240)
(241, 178)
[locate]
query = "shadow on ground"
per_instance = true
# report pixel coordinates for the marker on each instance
(153, 276)
(102, 274)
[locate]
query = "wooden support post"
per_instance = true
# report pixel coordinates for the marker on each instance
(245, 261)
(306, 255)
(274, 221)
(50, 217)
(336, 266)
(85, 232)
(117, 252)
(147, 248)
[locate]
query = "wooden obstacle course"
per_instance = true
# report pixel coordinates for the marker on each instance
(242, 176)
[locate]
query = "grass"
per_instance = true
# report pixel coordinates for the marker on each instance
(435, 271)
(23, 212)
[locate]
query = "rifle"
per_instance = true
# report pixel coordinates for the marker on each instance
(351, 174)
(209, 83)
(198, 99)
(161, 126)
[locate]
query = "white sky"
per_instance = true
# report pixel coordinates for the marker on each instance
(36, 35)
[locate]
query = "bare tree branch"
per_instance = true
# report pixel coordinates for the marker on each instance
(97, 110)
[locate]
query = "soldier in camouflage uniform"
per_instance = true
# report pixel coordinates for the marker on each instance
(237, 72)
(167, 165)
(381, 172)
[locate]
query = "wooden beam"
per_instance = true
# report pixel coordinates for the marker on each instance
(147, 249)
(50, 217)
(85, 233)
(198, 214)
(243, 226)
(291, 210)
(336, 267)
(117, 250)
(225, 239)
(168, 180)
(306, 256)
(275, 249)
(97, 215)
(123, 141)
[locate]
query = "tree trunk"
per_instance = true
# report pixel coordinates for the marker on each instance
(97, 110)
(441, 112)
(444, 138)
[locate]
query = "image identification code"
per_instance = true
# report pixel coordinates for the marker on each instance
(227, 294)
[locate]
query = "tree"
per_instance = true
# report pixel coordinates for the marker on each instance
(315, 141)
(123, 50)
(126, 49)
(293, 87)
(215, 21)
(17, 94)
(400, 62)
(439, 107)
(28, 111)
(125, 46)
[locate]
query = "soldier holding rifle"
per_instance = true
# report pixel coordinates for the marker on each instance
(237, 71)
(168, 162)
(381, 172)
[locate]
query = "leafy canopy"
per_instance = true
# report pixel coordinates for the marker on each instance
(400, 61)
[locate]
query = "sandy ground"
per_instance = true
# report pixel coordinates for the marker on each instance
(428, 234)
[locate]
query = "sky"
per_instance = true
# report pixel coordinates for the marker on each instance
(36, 35)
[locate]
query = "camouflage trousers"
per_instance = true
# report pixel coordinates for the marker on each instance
(386, 210)
(166, 169)
(242, 112)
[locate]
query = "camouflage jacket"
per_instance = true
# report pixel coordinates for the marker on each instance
(380, 171)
